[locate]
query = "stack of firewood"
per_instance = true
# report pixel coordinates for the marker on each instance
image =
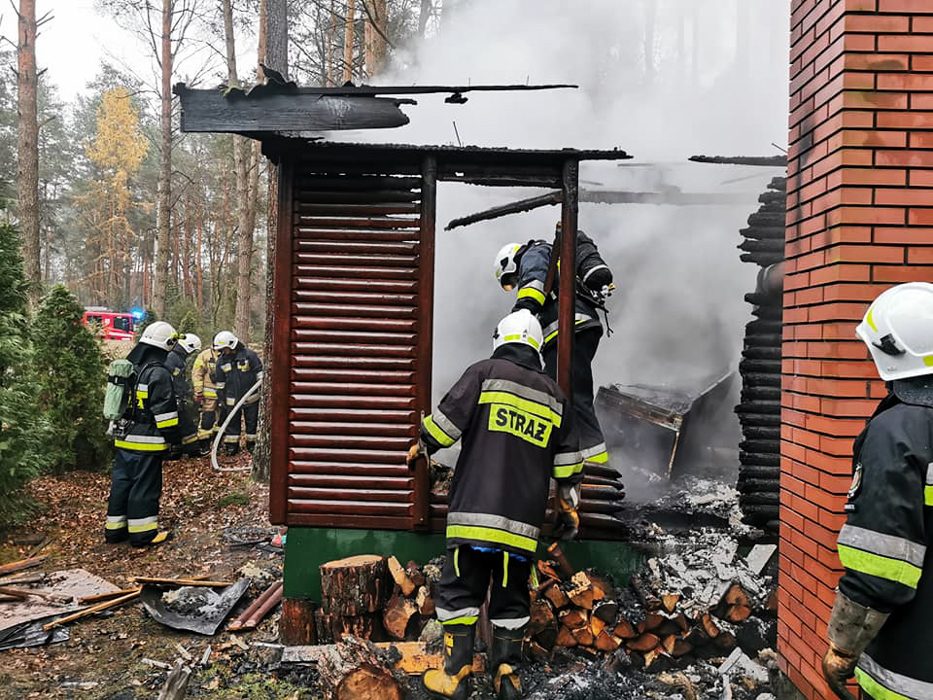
(372, 597)
(586, 612)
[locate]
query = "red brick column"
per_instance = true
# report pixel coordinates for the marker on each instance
(860, 219)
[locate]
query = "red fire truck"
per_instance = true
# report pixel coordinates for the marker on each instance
(110, 324)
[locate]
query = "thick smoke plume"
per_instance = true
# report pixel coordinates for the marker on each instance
(714, 82)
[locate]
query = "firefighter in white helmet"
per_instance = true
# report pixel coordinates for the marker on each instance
(238, 369)
(177, 363)
(880, 627)
(147, 434)
(516, 433)
(525, 268)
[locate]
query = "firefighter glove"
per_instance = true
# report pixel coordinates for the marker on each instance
(414, 452)
(568, 524)
(599, 278)
(851, 629)
(838, 666)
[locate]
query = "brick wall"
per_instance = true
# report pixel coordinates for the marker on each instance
(860, 218)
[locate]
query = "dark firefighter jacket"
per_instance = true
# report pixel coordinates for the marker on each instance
(592, 275)
(151, 422)
(516, 431)
(883, 547)
(236, 374)
(177, 364)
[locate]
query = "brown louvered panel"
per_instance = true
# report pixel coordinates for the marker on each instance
(357, 247)
(370, 390)
(314, 469)
(380, 429)
(370, 298)
(332, 506)
(373, 222)
(348, 375)
(351, 233)
(350, 324)
(355, 311)
(352, 415)
(354, 340)
(375, 402)
(339, 259)
(351, 442)
(339, 481)
(369, 494)
(331, 210)
(369, 273)
(342, 338)
(367, 351)
(347, 286)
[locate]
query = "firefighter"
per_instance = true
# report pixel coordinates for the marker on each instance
(238, 369)
(880, 627)
(177, 364)
(147, 434)
(526, 267)
(516, 430)
(205, 395)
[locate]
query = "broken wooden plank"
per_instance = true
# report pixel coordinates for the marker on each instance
(176, 684)
(20, 565)
(159, 581)
(398, 612)
(90, 611)
(557, 597)
(400, 576)
(107, 596)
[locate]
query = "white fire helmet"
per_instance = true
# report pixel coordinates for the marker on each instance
(520, 326)
(190, 342)
(898, 330)
(505, 263)
(225, 339)
(159, 334)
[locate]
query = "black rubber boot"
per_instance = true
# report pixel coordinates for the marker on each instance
(454, 680)
(505, 655)
(250, 446)
(204, 447)
(232, 448)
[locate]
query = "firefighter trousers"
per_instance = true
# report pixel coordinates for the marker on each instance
(466, 579)
(585, 344)
(211, 417)
(248, 415)
(135, 489)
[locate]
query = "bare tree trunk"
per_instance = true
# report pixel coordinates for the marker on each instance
(368, 41)
(349, 39)
(330, 73)
(165, 166)
(199, 264)
(27, 171)
(426, 7)
(275, 28)
(376, 48)
(241, 157)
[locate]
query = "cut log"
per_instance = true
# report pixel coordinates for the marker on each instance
(738, 613)
(330, 628)
(548, 571)
(606, 611)
(625, 630)
(354, 586)
(669, 602)
(681, 648)
(547, 638)
(653, 621)
(542, 616)
(574, 619)
(735, 595)
(602, 586)
(644, 643)
(398, 612)
(400, 576)
(709, 627)
(607, 642)
(697, 637)
(651, 656)
(414, 573)
(596, 625)
(415, 658)
(563, 564)
(370, 682)
(581, 594)
(565, 637)
(354, 669)
(557, 597)
(724, 641)
(584, 637)
(667, 643)
(425, 602)
(538, 652)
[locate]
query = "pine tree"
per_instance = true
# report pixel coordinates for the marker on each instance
(71, 382)
(24, 434)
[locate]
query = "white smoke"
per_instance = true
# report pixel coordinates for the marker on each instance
(679, 312)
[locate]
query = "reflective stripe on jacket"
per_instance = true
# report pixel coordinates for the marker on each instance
(236, 374)
(204, 365)
(516, 431)
(152, 424)
(884, 548)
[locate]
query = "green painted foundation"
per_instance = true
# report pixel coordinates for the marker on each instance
(307, 548)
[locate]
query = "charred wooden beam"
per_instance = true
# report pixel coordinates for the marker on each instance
(212, 111)
(760, 161)
(676, 198)
(522, 205)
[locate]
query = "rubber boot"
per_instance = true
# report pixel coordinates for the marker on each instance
(505, 655)
(204, 447)
(454, 680)
(232, 448)
(161, 537)
(250, 446)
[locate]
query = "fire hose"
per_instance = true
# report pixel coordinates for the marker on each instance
(223, 428)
